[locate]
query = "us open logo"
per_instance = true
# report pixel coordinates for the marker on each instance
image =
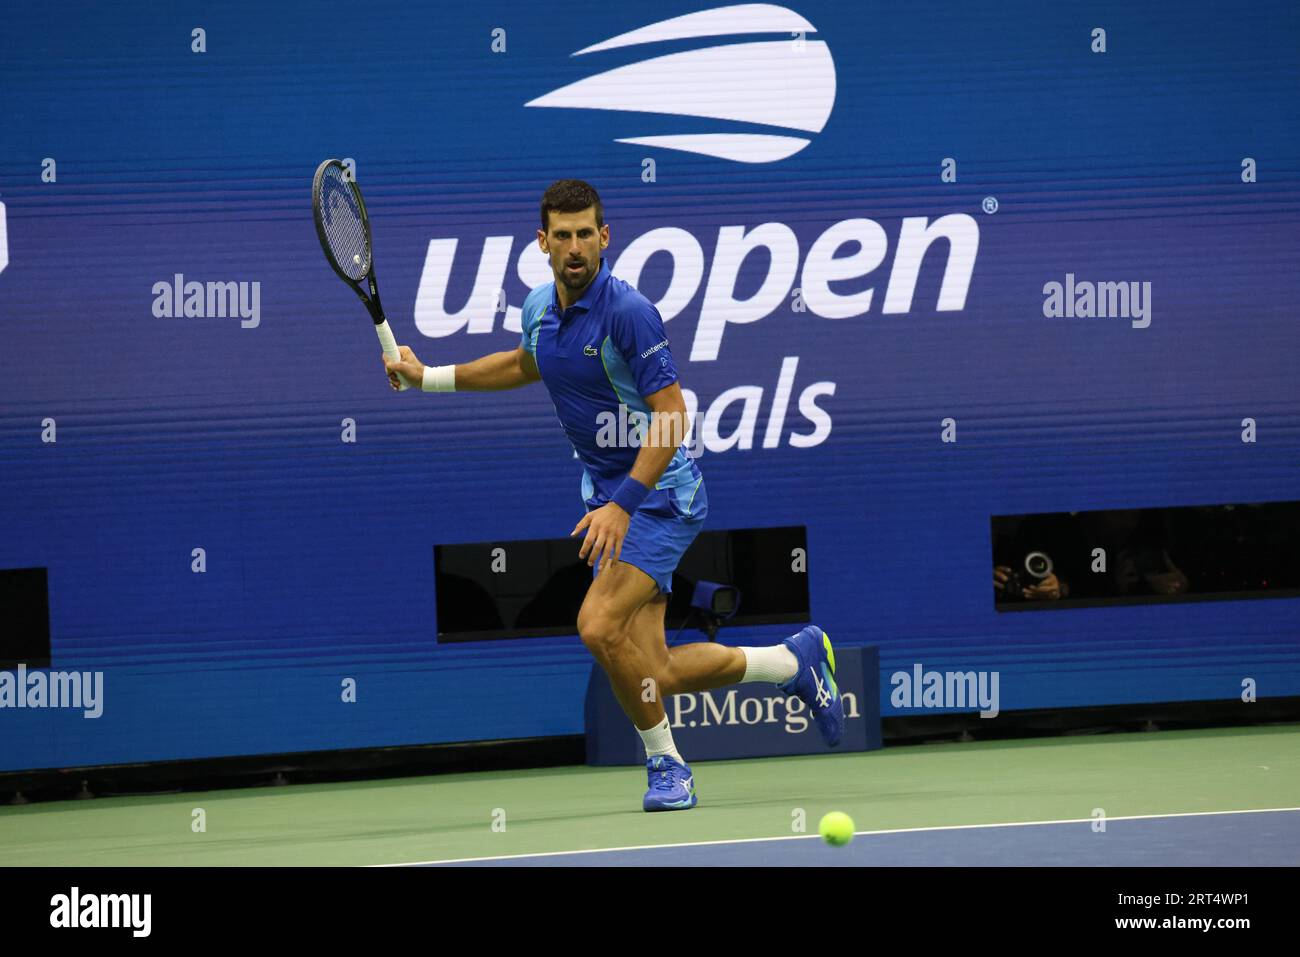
(788, 83)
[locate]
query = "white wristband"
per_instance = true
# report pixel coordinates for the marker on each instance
(439, 379)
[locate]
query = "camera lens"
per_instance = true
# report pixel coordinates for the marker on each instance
(1038, 564)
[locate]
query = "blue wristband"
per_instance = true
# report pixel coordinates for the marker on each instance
(630, 495)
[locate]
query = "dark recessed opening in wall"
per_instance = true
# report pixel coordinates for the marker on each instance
(24, 618)
(532, 589)
(1146, 555)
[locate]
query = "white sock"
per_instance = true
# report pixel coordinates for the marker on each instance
(659, 740)
(776, 664)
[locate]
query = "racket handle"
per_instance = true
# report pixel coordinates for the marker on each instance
(389, 344)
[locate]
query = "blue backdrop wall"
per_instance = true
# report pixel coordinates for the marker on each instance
(816, 403)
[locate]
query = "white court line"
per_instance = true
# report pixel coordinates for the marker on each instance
(806, 837)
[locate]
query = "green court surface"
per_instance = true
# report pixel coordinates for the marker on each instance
(449, 817)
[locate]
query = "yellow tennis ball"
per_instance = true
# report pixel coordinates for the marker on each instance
(837, 828)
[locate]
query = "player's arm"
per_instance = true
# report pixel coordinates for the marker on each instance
(667, 431)
(607, 526)
(493, 372)
(638, 334)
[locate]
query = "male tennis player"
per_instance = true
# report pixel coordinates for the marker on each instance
(599, 345)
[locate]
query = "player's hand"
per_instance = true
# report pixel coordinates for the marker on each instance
(606, 528)
(409, 368)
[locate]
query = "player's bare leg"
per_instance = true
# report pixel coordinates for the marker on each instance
(608, 623)
(802, 665)
(612, 602)
(641, 651)
(694, 667)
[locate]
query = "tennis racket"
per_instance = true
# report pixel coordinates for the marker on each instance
(344, 232)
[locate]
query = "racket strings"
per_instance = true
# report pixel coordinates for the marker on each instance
(344, 229)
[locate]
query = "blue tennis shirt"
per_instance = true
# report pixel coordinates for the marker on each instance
(605, 351)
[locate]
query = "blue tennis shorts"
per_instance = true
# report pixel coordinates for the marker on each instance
(662, 529)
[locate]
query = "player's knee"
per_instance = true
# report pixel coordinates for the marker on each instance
(600, 632)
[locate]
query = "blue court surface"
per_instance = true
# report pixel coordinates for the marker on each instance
(1244, 838)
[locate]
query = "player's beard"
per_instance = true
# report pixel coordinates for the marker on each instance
(576, 281)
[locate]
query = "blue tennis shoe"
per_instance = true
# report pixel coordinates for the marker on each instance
(814, 682)
(672, 786)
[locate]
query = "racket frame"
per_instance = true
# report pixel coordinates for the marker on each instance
(372, 302)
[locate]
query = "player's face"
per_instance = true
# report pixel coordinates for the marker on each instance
(574, 244)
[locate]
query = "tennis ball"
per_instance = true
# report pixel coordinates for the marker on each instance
(356, 258)
(837, 829)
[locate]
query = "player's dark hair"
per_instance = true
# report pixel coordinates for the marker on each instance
(570, 196)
